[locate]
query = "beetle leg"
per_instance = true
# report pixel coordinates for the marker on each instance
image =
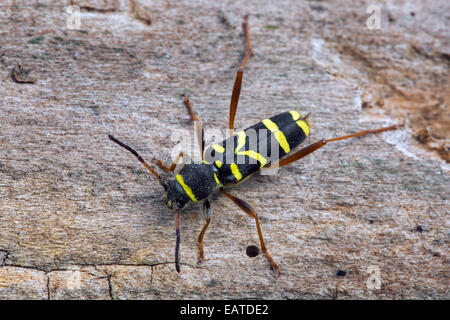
(238, 81)
(249, 210)
(172, 166)
(319, 144)
(198, 127)
(207, 213)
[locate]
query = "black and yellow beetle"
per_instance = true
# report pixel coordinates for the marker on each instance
(236, 158)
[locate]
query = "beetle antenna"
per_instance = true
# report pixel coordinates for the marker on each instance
(177, 245)
(153, 172)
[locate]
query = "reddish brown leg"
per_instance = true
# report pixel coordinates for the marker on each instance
(207, 213)
(249, 210)
(238, 81)
(172, 166)
(319, 144)
(188, 105)
(198, 125)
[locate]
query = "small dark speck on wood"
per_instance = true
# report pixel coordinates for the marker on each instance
(21, 75)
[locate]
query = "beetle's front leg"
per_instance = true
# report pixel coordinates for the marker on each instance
(207, 213)
(172, 166)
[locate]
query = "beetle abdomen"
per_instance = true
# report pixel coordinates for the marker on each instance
(249, 150)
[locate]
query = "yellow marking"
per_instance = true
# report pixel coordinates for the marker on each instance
(218, 148)
(270, 125)
(279, 135)
(305, 127)
(217, 179)
(186, 188)
(295, 115)
(235, 171)
(254, 155)
(282, 141)
(249, 153)
(218, 163)
(241, 140)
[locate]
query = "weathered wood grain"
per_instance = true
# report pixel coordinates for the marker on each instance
(81, 219)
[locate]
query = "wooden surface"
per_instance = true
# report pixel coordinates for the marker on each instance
(80, 218)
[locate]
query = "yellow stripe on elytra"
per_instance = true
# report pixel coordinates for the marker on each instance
(241, 140)
(295, 115)
(217, 179)
(218, 148)
(282, 141)
(305, 127)
(254, 155)
(249, 153)
(278, 134)
(235, 171)
(186, 188)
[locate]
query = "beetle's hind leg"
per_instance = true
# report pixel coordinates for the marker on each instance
(319, 144)
(207, 213)
(250, 211)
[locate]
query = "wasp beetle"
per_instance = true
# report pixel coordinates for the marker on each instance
(231, 165)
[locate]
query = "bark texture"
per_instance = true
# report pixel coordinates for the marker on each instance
(80, 218)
